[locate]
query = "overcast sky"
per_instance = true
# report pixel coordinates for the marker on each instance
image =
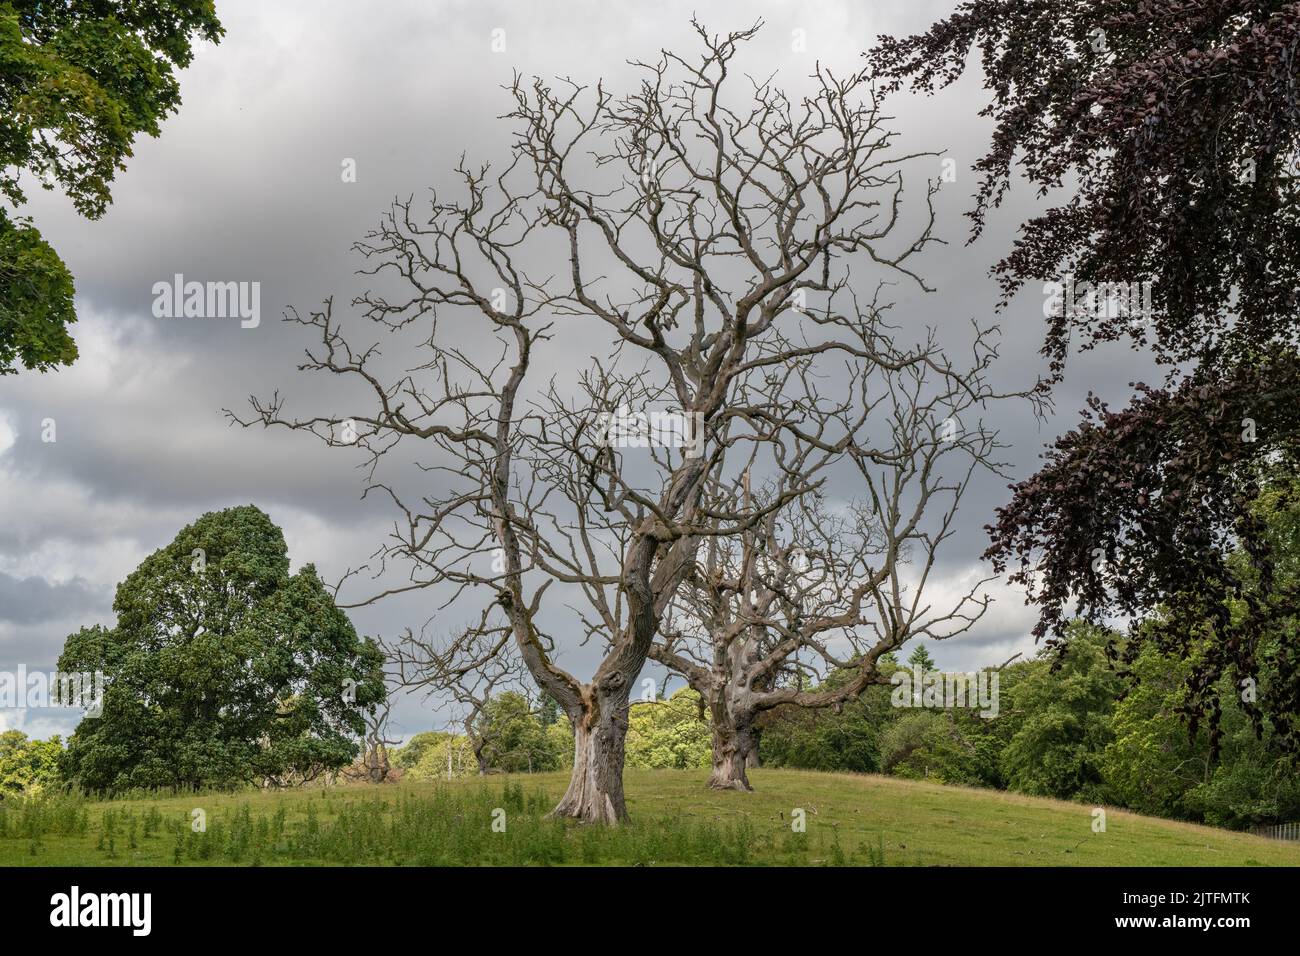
(244, 184)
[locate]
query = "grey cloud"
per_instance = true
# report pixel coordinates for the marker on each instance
(33, 600)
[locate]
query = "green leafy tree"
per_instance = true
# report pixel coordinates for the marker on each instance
(1154, 766)
(929, 744)
(845, 740)
(955, 746)
(513, 738)
(27, 766)
(79, 80)
(1063, 708)
(549, 712)
(669, 733)
(1252, 782)
(432, 754)
(413, 750)
(559, 740)
(1152, 762)
(517, 741)
(921, 658)
(223, 667)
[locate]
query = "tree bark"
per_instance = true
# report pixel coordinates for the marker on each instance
(595, 793)
(752, 754)
(734, 741)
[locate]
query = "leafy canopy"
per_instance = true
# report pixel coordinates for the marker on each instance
(1172, 127)
(27, 766)
(223, 667)
(79, 79)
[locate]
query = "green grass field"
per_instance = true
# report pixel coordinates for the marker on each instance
(850, 820)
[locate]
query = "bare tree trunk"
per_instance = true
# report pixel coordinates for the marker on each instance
(734, 740)
(481, 757)
(752, 754)
(728, 761)
(595, 793)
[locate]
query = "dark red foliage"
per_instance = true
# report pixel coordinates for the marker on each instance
(1171, 128)
(1155, 138)
(1141, 508)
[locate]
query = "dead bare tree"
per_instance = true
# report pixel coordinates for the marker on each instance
(676, 232)
(375, 765)
(466, 672)
(822, 586)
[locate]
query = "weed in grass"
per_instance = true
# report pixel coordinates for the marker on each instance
(876, 854)
(55, 815)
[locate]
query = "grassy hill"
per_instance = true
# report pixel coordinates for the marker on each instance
(855, 820)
